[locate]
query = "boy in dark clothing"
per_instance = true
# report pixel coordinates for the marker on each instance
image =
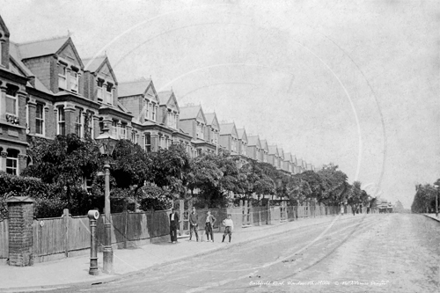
(174, 222)
(193, 224)
(229, 226)
(210, 220)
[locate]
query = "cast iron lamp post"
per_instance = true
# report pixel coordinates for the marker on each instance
(107, 144)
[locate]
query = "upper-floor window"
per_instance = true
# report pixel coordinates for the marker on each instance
(12, 162)
(153, 112)
(62, 76)
(1, 51)
(61, 122)
(147, 142)
(11, 100)
(199, 133)
(134, 136)
(100, 90)
(109, 94)
(79, 122)
(88, 124)
(39, 119)
(74, 80)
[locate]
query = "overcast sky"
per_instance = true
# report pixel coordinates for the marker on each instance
(355, 83)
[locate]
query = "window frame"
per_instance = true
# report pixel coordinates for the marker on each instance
(63, 66)
(40, 120)
(10, 158)
(61, 124)
(147, 142)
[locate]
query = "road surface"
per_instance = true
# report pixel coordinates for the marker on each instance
(362, 253)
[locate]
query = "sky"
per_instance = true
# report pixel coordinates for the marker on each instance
(354, 83)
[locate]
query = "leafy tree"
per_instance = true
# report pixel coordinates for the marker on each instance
(65, 162)
(170, 167)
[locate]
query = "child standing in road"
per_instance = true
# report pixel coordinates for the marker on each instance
(229, 226)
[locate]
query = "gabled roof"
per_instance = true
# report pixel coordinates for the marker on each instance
(273, 150)
(167, 98)
(97, 63)
(210, 118)
(14, 55)
(191, 112)
(5, 28)
(254, 140)
(228, 128)
(242, 134)
(94, 64)
(264, 144)
(134, 88)
(46, 47)
(288, 157)
(281, 153)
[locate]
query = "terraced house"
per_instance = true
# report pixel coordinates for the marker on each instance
(47, 89)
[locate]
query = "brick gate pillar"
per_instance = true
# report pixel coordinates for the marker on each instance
(21, 216)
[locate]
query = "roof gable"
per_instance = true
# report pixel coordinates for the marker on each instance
(100, 65)
(254, 140)
(4, 28)
(273, 150)
(69, 52)
(228, 129)
(265, 145)
(211, 120)
(242, 134)
(168, 99)
(201, 116)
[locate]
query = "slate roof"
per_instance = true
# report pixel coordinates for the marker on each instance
(273, 149)
(133, 88)
(253, 140)
(226, 128)
(240, 132)
(93, 64)
(189, 112)
(210, 118)
(164, 97)
(264, 144)
(41, 47)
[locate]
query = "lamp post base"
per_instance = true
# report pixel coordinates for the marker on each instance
(107, 250)
(93, 267)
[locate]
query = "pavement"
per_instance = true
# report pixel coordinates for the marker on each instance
(75, 270)
(432, 216)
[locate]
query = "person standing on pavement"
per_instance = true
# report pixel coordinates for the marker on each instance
(174, 222)
(210, 220)
(193, 224)
(229, 226)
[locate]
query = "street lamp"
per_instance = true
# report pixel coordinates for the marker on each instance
(436, 200)
(107, 144)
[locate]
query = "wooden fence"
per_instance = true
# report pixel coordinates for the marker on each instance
(64, 236)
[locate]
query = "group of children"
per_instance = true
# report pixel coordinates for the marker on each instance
(193, 226)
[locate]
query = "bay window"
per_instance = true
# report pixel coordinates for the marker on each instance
(12, 162)
(61, 122)
(79, 123)
(147, 142)
(39, 119)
